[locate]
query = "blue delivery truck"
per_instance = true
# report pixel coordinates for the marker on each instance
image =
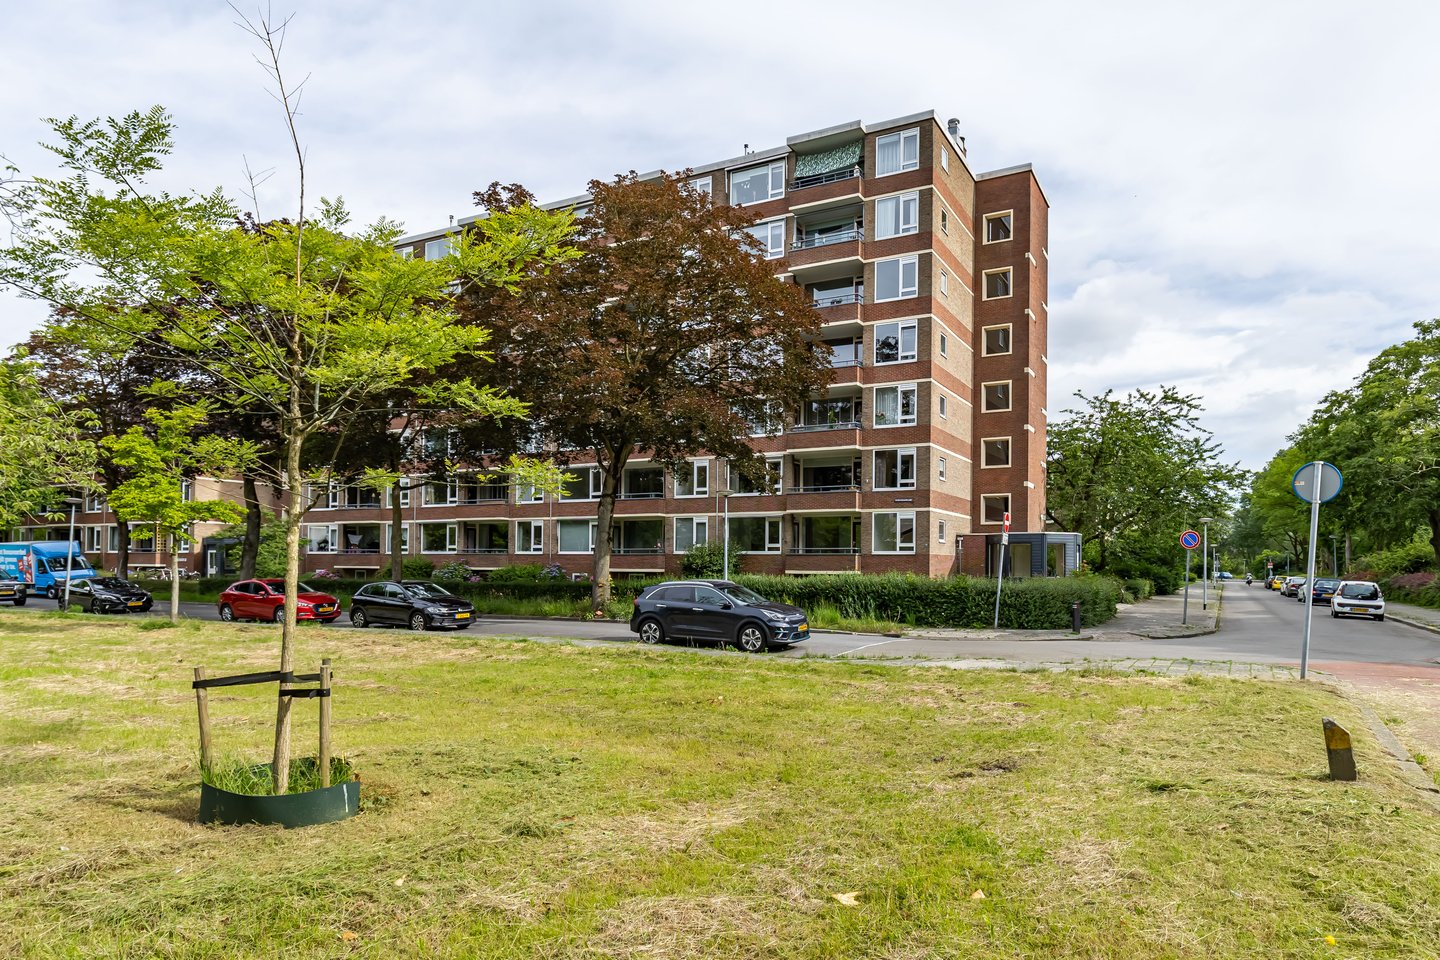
(44, 564)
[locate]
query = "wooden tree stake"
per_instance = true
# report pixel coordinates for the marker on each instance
(325, 722)
(1337, 748)
(202, 704)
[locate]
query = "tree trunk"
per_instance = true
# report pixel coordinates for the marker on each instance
(174, 578)
(605, 528)
(122, 530)
(280, 762)
(397, 518)
(250, 544)
(1433, 518)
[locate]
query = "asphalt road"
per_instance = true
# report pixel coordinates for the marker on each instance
(1256, 626)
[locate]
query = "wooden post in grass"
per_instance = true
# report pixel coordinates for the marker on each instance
(202, 704)
(1337, 748)
(325, 722)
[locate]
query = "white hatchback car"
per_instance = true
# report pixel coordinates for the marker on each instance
(1358, 598)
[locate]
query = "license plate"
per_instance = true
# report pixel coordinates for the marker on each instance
(803, 628)
(462, 616)
(7, 593)
(324, 609)
(137, 603)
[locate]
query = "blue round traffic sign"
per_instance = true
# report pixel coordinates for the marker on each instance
(1189, 539)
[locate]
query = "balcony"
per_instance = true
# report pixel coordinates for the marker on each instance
(824, 551)
(846, 424)
(812, 241)
(637, 551)
(826, 488)
(837, 300)
(820, 179)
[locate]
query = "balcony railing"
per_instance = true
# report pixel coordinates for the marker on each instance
(826, 488)
(817, 179)
(837, 364)
(838, 300)
(832, 551)
(833, 425)
(486, 550)
(637, 551)
(641, 495)
(498, 496)
(359, 550)
(825, 239)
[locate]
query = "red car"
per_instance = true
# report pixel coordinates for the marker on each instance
(265, 600)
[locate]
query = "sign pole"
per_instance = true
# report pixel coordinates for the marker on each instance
(1000, 574)
(1310, 572)
(1185, 607)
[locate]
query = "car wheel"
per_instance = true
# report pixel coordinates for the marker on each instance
(51, 593)
(1334, 615)
(1380, 618)
(358, 618)
(751, 638)
(19, 601)
(651, 631)
(279, 615)
(417, 621)
(227, 613)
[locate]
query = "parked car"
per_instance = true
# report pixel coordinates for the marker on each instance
(1291, 586)
(1323, 590)
(417, 604)
(265, 600)
(1275, 582)
(109, 595)
(716, 610)
(1358, 598)
(13, 591)
(1225, 576)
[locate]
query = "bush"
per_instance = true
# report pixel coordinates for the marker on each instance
(453, 572)
(525, 573)
(704, 561)
(1406, 558)
(418, 568)
(1140, 589)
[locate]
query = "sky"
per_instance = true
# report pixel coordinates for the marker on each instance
(1242, 199)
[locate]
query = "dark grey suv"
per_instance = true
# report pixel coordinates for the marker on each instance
(716, 610)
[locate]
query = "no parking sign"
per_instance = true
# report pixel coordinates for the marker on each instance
(1189, 539)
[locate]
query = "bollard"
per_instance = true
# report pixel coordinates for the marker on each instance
(1075, 616)
(1337, 748)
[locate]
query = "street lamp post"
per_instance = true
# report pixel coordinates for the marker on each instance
(1205, 564)
(1334, 555)
(70, 552)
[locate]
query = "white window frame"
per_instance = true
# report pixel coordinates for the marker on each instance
(771, 234)
(944, 165)
(997, 215)
(901, 355)
(940, 468)
(940, 538)
(404, 493)
(907, 216)
(405, 253)
(451, 538)
(900, 543)
(944, 344)
(1009, 274)
(699, 532)
(944, 283)
(439, 248)
(95, 503)
(901, 136)
(901, 389)
(528, 493)
(697, 488)
(537, 536)
(94, 537)
(331, 535)
(594, 528)
(944, 406)
(903, 292)
(944, 222)
(878, 481)
(985, 350)
(985, 463)
(595, 480)
(705, 184)
(386, 529)
(985, 499)
(769, 186)
(452, 492)
(985, 406)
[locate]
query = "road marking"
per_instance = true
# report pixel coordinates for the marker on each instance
(867, 646)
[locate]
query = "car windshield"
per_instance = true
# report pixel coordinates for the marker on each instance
(278, 586)
(742, 594)
(1360, 591)
(428, 590)
(112, 583)
(1326, 584)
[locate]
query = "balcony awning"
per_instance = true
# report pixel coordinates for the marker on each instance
(813, 164)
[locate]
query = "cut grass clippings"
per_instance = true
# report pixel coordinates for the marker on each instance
(527, 800)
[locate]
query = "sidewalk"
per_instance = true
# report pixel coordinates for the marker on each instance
(1160, 617)
(1423, 617)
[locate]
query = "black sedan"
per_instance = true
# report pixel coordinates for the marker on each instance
(716, 610)
(417, 604)
(13, 591)
(109, 595)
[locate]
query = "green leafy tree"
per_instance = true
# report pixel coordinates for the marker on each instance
(668, 336)
(304, 321)
(159, 462)
(1130, 473)
(46, 450)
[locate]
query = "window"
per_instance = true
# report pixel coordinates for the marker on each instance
(895, 342)
(703, 184)
(940, 468)
(997, 284)
(944, 345)
(576, 536)
(945, 223)
(895, 216)
(895, 406)
(438, 249)
(997, 340)
(530, 536)
(941, 537)
(755, 534)
(895, 152)
(187, 490)
(690, 532)
(437, 537)
(322, 538)
(406, 253)
(93, 537)
(771, 235)
(993, 507)
(95, 503)
(894, 469)
(995, 397)
(528, 493)
(584, 486)
(404, 484)
(404, 538)
(694, 481)
(944, 165)
(995, 452)
(743, 484)
(944, 406)
(758, 183)
(441, 492)
(112, 538)
(944, 283)
(896, 279)
(997, 227)
(894, 532)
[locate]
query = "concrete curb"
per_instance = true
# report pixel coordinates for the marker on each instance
(1417, 624)
(1409, 769)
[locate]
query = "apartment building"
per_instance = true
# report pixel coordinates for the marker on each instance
(931, 280)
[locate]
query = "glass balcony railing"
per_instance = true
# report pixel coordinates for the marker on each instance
(838, 424)
(832, 176)
(837, 299)
(826, 488)
(825, 550)
(825, 239)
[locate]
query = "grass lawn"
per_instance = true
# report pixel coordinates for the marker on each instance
(547, 800)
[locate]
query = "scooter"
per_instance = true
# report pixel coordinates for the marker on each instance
(1248, 579)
